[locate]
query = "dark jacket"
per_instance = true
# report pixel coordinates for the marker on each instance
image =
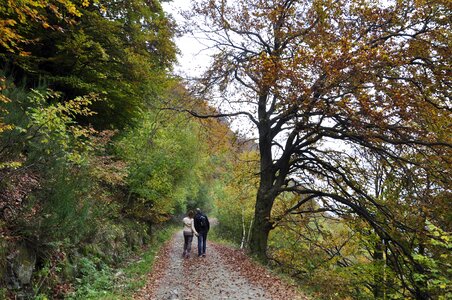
(198, 221)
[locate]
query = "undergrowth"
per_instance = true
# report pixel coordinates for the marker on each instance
(216, 236)
(120, 283)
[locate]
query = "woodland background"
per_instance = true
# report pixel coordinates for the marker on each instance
(98, 156)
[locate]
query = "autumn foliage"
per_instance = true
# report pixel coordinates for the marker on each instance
(350, 100)
(346, 189)
(90, 168)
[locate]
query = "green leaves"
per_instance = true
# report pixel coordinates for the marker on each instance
(435, 262)
(52, 129)
(164, 165)
(44, 126)
(121, 50)
(104, 64)
(19, 15)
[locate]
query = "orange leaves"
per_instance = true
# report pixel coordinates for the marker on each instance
(377, 65)
(8, 36)
(27, 12)
(266, 68)
(372, 76)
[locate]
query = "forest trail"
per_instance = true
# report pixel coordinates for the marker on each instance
(224, 273)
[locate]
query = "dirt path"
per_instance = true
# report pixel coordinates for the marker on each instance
(224, 273)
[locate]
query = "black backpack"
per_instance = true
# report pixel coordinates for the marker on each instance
(202, 222)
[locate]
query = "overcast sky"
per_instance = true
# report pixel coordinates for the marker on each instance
(192, 59)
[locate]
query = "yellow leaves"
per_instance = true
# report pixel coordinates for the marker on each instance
(3, 87)
(421, 3)
(79, 105)
(11, 164)
(267, 68)
(3, 99)
(9, 22)
(419, 48)
(320, 9)
(8, 36)
(71, 7)
(27, 12)
(5, 127)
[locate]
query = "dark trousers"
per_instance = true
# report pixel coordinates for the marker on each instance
(202, 242)
(187, 244)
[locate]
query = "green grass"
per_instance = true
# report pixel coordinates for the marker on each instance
(106, 285)
(215, 236)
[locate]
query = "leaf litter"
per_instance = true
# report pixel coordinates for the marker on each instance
(225, 273)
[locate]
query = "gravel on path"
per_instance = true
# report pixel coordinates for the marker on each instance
(224, 273)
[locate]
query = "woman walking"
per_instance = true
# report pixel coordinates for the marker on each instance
(189, 230)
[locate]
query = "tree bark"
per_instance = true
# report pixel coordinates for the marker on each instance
(265, 196)
(242, 244)
(262, 226)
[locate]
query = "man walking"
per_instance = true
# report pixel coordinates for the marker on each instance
(202, 226)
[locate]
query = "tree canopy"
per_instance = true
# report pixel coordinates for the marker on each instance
(324, 82)
(347, 189)
(89, 166)
(119, 50)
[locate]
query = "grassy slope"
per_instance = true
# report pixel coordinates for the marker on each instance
(121, 283)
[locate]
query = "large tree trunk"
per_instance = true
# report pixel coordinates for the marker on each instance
(262, 225)
(265, 195)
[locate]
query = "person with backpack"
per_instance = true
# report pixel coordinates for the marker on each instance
(202, 226)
